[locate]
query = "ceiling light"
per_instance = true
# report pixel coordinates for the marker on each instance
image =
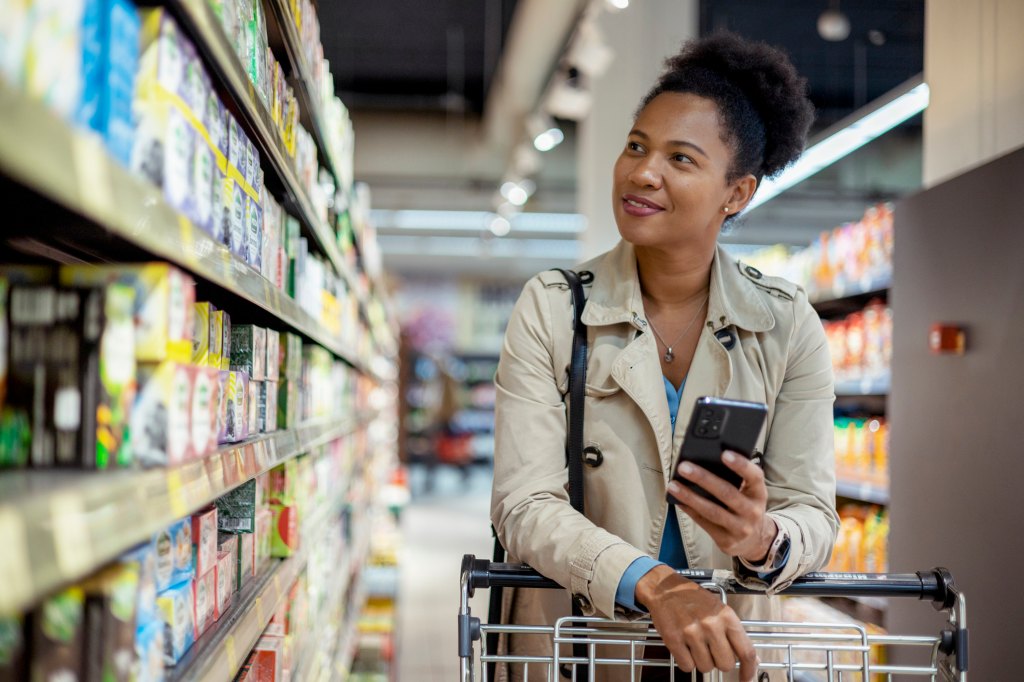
(500, 226)
(833, 25)
(906, 101)
(517, 196)
(507, 187)
(544, 132)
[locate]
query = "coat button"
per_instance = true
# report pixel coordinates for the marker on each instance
(763, 677)
(726, 337)
(582, 602)
(592, 456)
(753, 272)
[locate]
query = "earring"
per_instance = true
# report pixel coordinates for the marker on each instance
(725, 209)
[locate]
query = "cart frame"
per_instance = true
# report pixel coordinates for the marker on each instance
(806, 651)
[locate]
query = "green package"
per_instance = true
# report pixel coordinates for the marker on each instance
(58, 637)
(236, 510)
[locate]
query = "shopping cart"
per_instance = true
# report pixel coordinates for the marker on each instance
(805, 651)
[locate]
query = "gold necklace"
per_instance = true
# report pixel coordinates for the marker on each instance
(669, 355)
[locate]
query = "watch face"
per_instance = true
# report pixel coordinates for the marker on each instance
(781, 553)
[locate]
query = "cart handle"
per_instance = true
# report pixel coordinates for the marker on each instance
(935, 585)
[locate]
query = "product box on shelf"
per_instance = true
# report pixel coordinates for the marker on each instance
(268, 407)
(273, 349)
(249, 350)
(253, 418)
(269, 658)
(246, 558)
(236, 398)
(149, 650)
(237, 509)
(204, 539)
(163, 305)
(173, 554)
(222, 323)
(58, 637)
(204, 601)
(227, 564)
(216, 126)
(290, 361)
(205, 407)
(283, 483)
(162, 414)
(144, 558)
(67, 374)
(284, 531)
(264, 539)
(51, 62)
(110, 55)
(110, 623)
(287, 403)
(203, 342)
(175, 606)
(13, 650)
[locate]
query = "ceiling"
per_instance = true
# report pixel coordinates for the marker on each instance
(426, 73)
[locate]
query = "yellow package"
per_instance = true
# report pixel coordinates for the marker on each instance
(202, 313)
(163, 305)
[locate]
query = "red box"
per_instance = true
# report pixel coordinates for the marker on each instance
(204, 602)
(204, 540)
(227, 564)
(268, 658)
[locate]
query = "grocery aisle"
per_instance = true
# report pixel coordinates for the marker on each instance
(437, 529)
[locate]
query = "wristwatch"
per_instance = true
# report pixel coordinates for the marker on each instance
(778, 554)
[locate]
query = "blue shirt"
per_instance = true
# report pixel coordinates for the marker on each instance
(672, 552)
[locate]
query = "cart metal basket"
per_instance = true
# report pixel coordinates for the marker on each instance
(811, 652)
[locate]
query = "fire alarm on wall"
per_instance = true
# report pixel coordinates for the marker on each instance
(947, 338)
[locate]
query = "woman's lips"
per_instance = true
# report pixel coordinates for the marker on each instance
(639, 207)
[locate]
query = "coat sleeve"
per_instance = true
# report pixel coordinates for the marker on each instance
(799, 458)
(530, 506)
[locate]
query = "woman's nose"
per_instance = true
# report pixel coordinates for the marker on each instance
(645, 174)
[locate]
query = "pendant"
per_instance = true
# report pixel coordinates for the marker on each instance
(669, 356)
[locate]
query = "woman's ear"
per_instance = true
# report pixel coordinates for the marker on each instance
(742, 192)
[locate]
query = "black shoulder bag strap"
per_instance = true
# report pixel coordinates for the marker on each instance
(573, 457)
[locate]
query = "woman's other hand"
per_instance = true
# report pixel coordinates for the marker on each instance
(741, 528)
(700, 631)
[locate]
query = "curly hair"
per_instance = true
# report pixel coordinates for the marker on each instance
(761, 98)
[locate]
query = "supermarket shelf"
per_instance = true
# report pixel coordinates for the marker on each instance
(203, 25)
(72, 168)
(869, 385)
(863, 492)
(219, 654)
(60, 526)
(874, 285)
(302, 83)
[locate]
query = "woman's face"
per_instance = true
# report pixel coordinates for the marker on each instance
(669, 183)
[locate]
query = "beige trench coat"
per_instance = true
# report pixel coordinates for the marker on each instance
(780, 357)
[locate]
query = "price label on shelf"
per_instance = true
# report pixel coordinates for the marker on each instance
(71, 540)
(231, 653)
(186, 232)
(176, 493)
(259, 611)
(227, 262)
(15, 574)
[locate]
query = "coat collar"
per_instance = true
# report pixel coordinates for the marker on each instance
(615, 296)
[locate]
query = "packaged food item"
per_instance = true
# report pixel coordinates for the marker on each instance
(246, 558)
(204, 601)
(164, 140)
(284, 531)
(144, 558)
(287, 403)
(227, 564)
(161, 417)
(236, 396)
(181, 548)
(216, 126)
(163, 305)
(283, 483)
(149, 652)
(223, 377)
(53, 54)
(110, 623)
(273, 361)
(269, 658)
(58, 637)
(202, 333)
(236, 509)
(204, 539)
(268, 407)
(12, 649)
(253, 417)
(69, 375)
(216, 359)
(205, 405)
(249, 350)
(264, 538)
(254, 232)
(175, 606)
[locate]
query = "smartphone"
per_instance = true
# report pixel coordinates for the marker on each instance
(717, 425)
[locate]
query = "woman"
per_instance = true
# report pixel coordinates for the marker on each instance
(670, 318)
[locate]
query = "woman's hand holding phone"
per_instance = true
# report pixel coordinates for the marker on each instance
(742, 527)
